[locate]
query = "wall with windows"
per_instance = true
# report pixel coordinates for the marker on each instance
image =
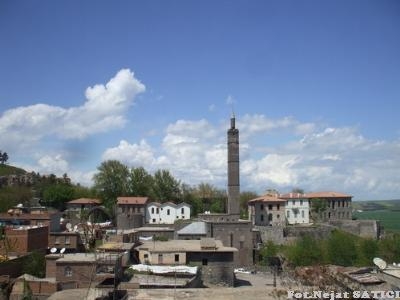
(166, 213)
(297, 211)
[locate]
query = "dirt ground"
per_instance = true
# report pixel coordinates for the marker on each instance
(249, 287)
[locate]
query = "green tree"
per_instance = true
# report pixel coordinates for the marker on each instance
(10, 196)
(35, 265)
(306, 251)
(111, 181)
(269, 249)
(341, 248)
(389, 248)
(367, 250)
(244, 198)
(3, 157)
(317, 207)
(56, 195)
(166, 187)
(140, 183)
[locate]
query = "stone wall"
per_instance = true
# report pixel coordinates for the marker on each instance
(362, 228)
(238, 235)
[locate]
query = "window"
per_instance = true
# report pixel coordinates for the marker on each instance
(68, 272)
(176, 258)
(204, 262)
(160, 258)
(262, 207)
(146, 256)
(262, 218)
(57, 241)
(301, 202)
(168, 211)
(278, 207)
(278, 216)
(152, 210)
(154, 220)
(269, 217)
(288, 213)
(157, 210)
(302, 213)
(293, 202)
(270, 207)
(67, 240)
(182, 210)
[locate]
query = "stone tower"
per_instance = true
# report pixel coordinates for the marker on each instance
(233, 171)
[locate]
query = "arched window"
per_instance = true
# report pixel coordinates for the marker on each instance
(68, 272)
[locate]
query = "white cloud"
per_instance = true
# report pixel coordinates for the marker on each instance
(338, 159)
(132, 155)
(103, 110)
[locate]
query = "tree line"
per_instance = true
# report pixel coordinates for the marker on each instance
(339, 248)
(114, 179)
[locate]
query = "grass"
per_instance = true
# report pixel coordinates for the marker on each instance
(390, 219)
(10, 170)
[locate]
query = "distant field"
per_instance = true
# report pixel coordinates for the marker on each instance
(390, 219)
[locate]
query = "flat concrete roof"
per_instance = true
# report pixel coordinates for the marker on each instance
(76, 257)
(182, 246)
(116, 246)
(194, 228)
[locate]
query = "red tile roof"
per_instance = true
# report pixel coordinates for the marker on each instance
(85, 201)
(266, 198)
(292, 196)
(326, 195)
(132, 200)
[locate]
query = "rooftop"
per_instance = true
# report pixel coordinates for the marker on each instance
(184, 246)
(132, 200)
(194, 228)
(85, 201)
(267, 198)
(326, 195)
(116, 246)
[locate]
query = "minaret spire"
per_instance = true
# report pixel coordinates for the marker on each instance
(233, 170)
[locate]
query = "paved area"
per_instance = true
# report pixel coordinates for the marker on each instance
(250, 287)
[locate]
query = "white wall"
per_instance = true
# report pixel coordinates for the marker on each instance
(302, 207)
(166, 213)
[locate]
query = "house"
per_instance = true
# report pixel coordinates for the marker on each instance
(71, 241)
(131, 212)
(81, 270)
(83, 203)
(297, 208)
(267, 210)
(34, 217)
(216, 260)
(21, 240)
(329, 206)
(167, 213)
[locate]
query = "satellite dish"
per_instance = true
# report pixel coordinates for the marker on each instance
(62, 250)
(68, 226)
(53, 250)
(76, 228)
(380, 263)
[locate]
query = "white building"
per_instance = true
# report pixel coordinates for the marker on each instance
(297, 208)
(166, 213)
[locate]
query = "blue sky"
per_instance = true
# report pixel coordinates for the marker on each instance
(315, 86)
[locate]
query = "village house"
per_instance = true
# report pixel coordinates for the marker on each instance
(166, 213)
(267, 210)
(333, 205)
(297, 208)
(131, 212)
(216, 260)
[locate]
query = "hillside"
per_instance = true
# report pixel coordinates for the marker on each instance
(10, 170)
(393, 205)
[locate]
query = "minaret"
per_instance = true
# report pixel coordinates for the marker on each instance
(233, 171)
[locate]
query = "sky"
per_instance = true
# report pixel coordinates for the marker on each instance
(314, 86)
